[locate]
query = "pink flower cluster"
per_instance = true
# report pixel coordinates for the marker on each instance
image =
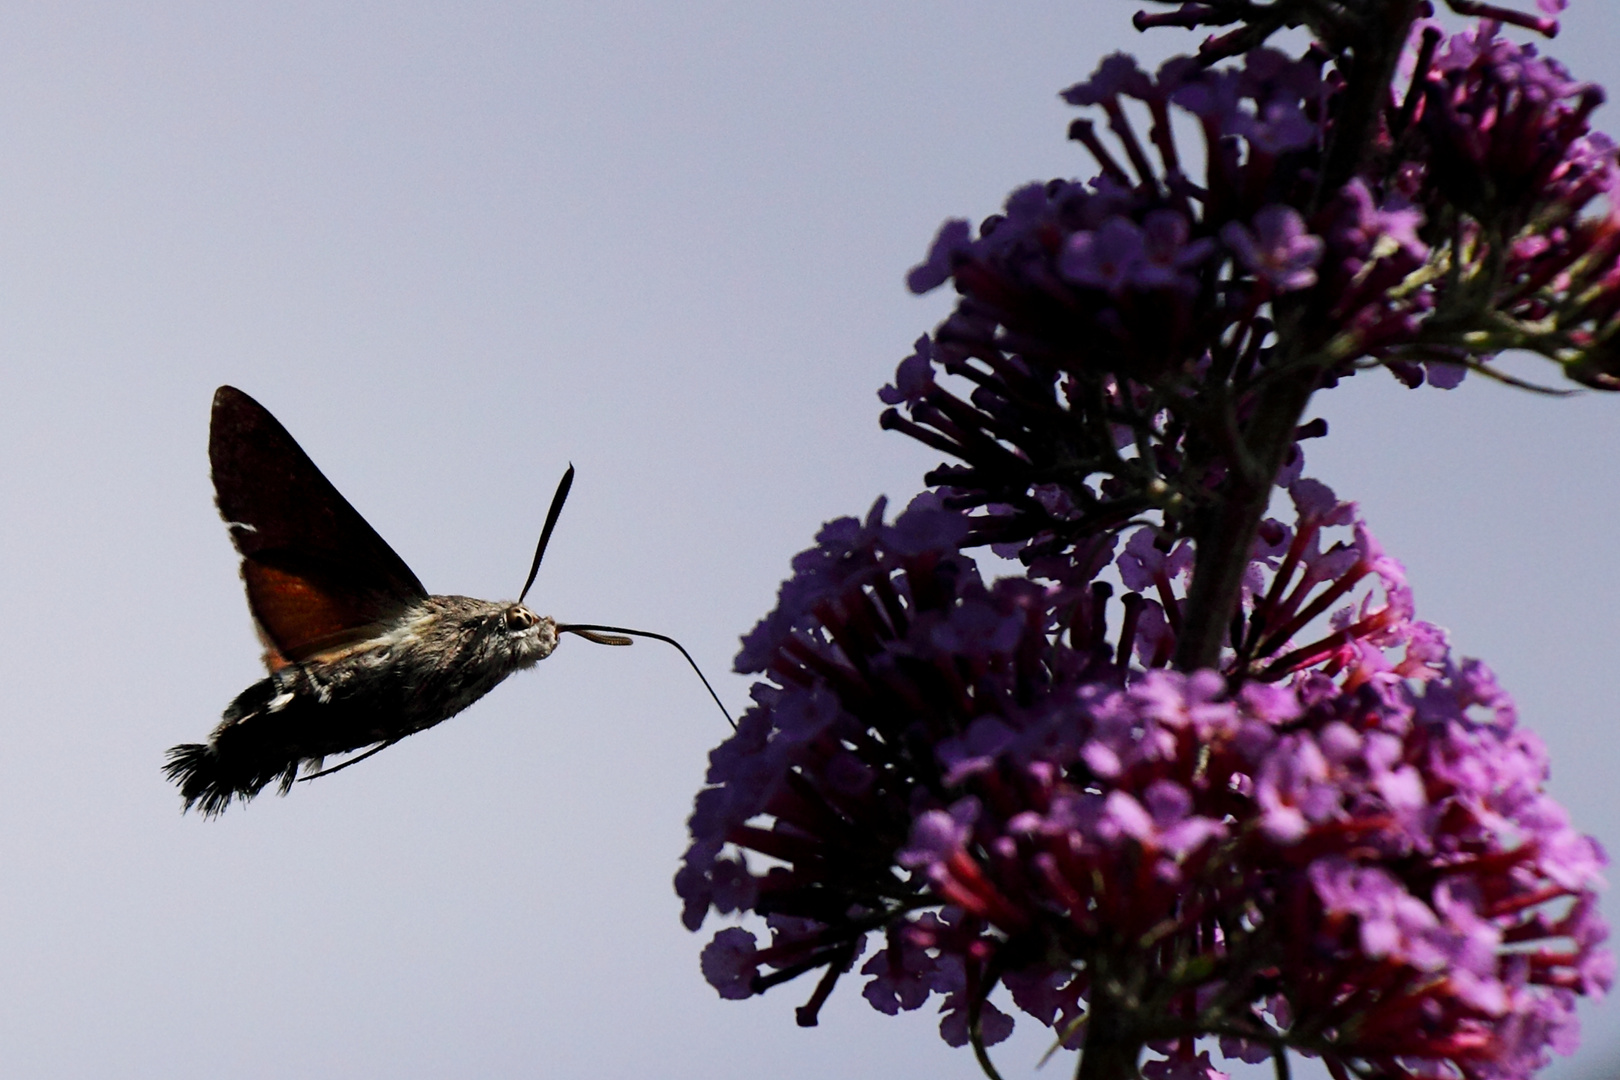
(1350, 854)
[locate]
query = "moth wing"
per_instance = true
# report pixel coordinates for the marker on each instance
(318, 576)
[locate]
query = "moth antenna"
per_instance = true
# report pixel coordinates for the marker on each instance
(557, 501)
(352, 761)
(605, 635)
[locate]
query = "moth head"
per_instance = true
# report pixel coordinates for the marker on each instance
(501, 634)
(528, 634)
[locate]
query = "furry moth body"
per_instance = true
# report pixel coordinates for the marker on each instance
(359, 654)
(445, 653)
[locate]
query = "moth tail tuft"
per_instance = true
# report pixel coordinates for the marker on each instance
(196, 768)
(208, 779)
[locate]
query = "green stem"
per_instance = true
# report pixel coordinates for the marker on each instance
(1225, 537)
(1368, 70)
(1225, 533)
(1112, 1048)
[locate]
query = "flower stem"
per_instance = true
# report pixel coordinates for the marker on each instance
(1225, 538)
(1112, 1048)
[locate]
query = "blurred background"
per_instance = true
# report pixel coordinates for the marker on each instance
(453, 248)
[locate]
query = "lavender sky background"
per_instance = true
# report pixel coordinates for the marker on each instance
(453, 248)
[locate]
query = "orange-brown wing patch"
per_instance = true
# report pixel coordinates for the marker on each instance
(301, 616)
(273, 660)
(317, 575)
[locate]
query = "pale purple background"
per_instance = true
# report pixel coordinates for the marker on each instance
(454, 247)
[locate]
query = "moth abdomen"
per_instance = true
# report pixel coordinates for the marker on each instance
(270, 731)
(449, 652)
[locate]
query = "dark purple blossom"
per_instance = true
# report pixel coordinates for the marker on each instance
(936, 269)
(1168, 253)
(730, 961)
(1117, 74)
(1277, 127)
(1278, 250)
(1109, 258)
(914, 378)
(1368, 231)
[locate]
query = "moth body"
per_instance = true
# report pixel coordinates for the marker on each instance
(359, 654)
(442, 654)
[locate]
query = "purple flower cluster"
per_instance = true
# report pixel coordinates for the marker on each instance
(1350, 854)
(1126, 301)
(1115, 302)
(1507, 162)
(1196, 773)
(1334, 23)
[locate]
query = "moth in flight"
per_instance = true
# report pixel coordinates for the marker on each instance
(360, 655)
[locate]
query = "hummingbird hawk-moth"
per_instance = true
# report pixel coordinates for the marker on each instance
(359, 654)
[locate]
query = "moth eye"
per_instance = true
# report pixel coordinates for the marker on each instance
(519, 618)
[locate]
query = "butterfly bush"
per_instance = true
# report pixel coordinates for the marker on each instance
(1197, 772)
